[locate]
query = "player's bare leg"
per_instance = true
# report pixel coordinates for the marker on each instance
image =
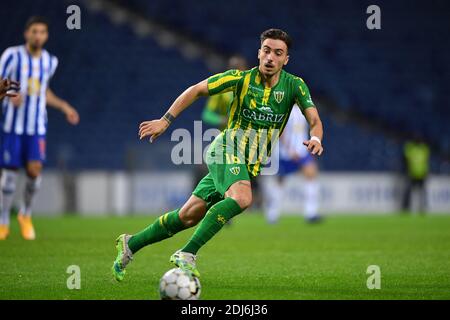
(164, 227)
(237, 198)
(241, 192)
(193, 211)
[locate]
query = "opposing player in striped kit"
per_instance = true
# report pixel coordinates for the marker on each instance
(24, 121)
(293, 159)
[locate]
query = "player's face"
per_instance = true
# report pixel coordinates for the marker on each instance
(36, 35)
(272, 55)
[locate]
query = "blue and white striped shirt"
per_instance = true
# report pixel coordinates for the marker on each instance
(34, 74)
(295, 132)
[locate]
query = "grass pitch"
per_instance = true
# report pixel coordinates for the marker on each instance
(248, 260)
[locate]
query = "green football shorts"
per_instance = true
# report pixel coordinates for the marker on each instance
(225, 168)
(213, 186)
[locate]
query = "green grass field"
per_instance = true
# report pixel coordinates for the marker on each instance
(248, 260)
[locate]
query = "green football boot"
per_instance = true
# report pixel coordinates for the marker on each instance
(124, 256)
(185, 261)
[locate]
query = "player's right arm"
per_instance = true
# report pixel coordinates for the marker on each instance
(219, 83)
(155, 128)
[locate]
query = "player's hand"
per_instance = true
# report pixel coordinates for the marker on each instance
(152, 129)
(6, 85)
(71, 115)
(314, 147)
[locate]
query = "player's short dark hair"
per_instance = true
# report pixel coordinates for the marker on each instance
(35, 20)
(277, 34)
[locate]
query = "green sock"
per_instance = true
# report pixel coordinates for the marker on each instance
(213, 221)
(162, 228)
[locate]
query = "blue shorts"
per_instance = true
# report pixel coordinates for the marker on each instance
(290, 166)
(18, 149)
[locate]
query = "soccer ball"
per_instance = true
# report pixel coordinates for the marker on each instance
(177, 284)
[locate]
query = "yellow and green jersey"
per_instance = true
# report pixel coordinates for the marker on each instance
(417, 159)
(257, 115)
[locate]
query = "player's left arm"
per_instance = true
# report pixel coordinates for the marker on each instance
(309, 110)
(56, 102)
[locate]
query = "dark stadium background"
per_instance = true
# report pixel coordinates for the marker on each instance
(374, 88)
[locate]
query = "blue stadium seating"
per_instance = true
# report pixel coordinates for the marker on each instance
(396, 75)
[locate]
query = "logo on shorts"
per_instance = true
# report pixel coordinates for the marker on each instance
(235, 170)
(221, 219)
(279, 95)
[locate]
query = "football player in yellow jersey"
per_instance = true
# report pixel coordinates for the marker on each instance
(263, 99)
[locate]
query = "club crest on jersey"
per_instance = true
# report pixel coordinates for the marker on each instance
(235, 170)
(279, 95)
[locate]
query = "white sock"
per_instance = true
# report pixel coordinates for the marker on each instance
(31, 188)
(8, 186)
(311, 198)
(273, 193)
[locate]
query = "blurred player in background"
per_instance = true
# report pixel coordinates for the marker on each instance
(416, 155)
(263, 99)
(24, 121)
(293, 158)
